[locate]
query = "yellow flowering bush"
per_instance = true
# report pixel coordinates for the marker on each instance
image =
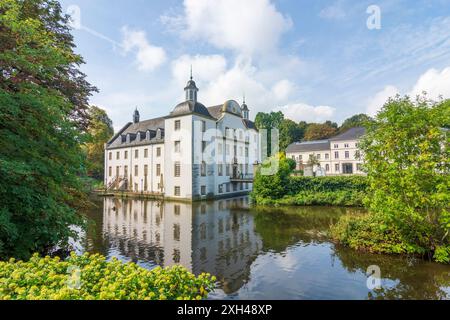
(91, 277)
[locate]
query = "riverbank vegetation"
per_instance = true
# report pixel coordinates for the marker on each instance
(284, 188)
(407, 161)
(91, 277)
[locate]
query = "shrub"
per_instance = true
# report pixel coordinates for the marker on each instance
(372, 234)
(51, 279)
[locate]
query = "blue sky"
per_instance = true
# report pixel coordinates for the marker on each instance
(314, 60)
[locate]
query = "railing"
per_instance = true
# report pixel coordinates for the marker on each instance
(241, 176)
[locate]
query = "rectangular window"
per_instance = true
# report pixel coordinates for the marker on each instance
(203, 146)
(117, 155)
(110, 156)
(336, 167)
(177, 169)
(177, 209)
(241, 186)
(125, 171)
(346, 145)
(158, 170)
(177, 146)
(227, 170)
(228, 187)
(136, 170)
(347, 155)
(336, 146)
(220, 188)
(203, 169)
(203, 126)
(246, 152)
(327, 156)
(177, 125)
(125, 155)
(318, 156)
(336, 154)
(219, 149)
(117, 171)
(246, 168)
(158, 152)
(177, 191)
(327, 167)
(145, 170)
(110, 171)
(203, 190)
(220, 169)
(136, 154)
(145, 153)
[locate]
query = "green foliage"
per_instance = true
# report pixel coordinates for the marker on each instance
(372, 234)
(100, 130)
(316, 131)
(43, 102)
(358, 120)
(286, 189)
(91, 277)
(408, 164)
(272, 186)
(290, 132)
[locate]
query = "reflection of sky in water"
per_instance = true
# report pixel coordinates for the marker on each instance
(256, 255)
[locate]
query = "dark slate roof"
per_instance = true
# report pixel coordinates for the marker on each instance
(188, 107)
(138, 134)
(249, 124)
(350, 134)
(318, 145)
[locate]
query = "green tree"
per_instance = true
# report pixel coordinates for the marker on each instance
(43, 104)
(269, 121)
(100, 130)
(272, 186)
(406, 152)
(316, 131)
(289, 132)
(358, 120)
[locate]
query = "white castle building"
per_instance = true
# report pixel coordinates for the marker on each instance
(193, 153)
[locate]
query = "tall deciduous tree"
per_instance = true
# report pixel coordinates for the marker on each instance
(289, 132)
(316, 131)
(407, 155)
(100, 130)
(43, 104)
(358, 120)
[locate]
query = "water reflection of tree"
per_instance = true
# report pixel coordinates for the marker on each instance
(410, 278)
(282, 227)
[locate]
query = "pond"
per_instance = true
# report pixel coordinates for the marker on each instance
(256, 253)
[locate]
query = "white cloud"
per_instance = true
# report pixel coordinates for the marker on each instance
(148, 57)
(283, 89)
(376, 102)
(436, 83)
(304, 112)
(334, 12)
(205, 68)
(244, 26)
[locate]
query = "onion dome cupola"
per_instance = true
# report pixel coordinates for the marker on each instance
(191, 90)
(245, 111)
(136, 116)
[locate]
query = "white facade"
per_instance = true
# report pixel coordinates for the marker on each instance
(193, 153)
(337, 156)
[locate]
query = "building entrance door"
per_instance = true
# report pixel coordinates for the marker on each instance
(347, 168)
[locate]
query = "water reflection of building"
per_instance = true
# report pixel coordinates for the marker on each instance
(216, 237)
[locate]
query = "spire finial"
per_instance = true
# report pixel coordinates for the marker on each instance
(243, 95)
(191, 71)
